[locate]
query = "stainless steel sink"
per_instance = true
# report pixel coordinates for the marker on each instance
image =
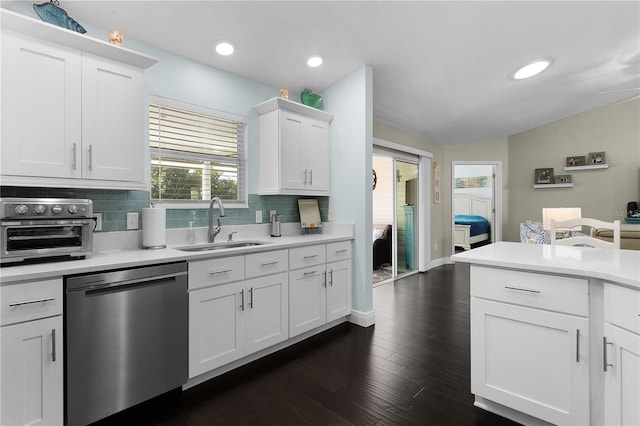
(221, 245)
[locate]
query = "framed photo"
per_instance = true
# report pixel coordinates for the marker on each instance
(596, 158)
(576, 160)
(543, 176)
(563, 179)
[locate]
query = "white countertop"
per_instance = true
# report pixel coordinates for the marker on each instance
(618, 266)
(116, 259)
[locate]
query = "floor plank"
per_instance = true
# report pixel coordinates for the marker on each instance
(411, 368)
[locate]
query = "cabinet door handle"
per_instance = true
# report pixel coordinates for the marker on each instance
(275, 262)
(90, 165)
(305, 176)
(324, 279)
(53, 345)
(242, 299)
(221, 271)
(528, 290)
(74, 164)
(604, 353)
(29, 302)
(251, 298)
(577, 345)
(306, 274)
(310, 177)
(331, 278)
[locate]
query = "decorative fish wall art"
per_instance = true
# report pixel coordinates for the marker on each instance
(51, 13)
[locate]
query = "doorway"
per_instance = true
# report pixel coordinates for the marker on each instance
(395, 217)
(476, 204)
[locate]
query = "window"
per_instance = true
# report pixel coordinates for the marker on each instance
(196, 154)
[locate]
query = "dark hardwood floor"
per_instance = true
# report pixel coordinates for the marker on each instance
(411, 368)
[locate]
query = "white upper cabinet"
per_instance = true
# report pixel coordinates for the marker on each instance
(74, 108)
(294, 148)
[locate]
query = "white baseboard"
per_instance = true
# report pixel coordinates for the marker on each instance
(363, 319)
(439, 262)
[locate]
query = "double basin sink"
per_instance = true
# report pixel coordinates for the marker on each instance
(221, 245)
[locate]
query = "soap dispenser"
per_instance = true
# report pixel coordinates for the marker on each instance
(275, 225)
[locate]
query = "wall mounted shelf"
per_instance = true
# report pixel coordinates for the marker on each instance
(587, 167)
(553, 185)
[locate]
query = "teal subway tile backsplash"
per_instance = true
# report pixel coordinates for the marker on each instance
(115, 204)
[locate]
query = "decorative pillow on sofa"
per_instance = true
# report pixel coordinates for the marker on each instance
(534, 233)
(379, 234)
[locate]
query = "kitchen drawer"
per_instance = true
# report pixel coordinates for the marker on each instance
(267, 263)
(205, 273)
(30, 300)
(338, 251)
(302, 257)
(550, 292)
(622, 307)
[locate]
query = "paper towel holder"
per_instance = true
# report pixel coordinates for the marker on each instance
(145, 212)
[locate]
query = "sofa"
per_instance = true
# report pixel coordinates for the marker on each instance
(381, 245)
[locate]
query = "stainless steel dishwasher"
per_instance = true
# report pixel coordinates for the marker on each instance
(126, 339)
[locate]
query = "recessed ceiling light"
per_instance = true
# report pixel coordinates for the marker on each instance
(225, 48)
(531, 69)
(314, 61)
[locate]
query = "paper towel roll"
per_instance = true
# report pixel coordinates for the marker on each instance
(154, 221)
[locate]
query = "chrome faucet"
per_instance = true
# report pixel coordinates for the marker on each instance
(215, 230)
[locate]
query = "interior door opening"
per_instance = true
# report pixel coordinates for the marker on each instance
(395, 218)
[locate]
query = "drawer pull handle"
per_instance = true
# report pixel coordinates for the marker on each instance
(604, 353)
(275, 262)
(251, 298)
(222, 271)
(242, 299)
(311, 256)
(528, 290)
(29, 302)
(324, 279)
(53, 345)
(341, 251)
(306, 274)
(577, 345)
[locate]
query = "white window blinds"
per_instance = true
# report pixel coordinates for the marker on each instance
(196, 155)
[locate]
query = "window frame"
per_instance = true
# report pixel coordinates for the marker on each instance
(243, 157)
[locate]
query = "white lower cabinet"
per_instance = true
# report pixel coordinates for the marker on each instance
(230, 316)
(31, 354)
(621, 355)
(319, 293)
(525, 357)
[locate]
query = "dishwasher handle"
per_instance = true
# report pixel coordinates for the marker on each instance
(94, 287)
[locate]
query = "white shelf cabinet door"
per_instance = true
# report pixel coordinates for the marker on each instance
(307, 299)
(292, 151)
(32, 378)
(531, 360)
(267, 311)
(216, 327)
(41, 114)
(622, 377)
(112, 120)
(338, 289)
(317, 154)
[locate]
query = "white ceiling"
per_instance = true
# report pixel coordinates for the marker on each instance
(440, 68)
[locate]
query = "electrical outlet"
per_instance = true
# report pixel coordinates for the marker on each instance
(435, 247)
(132, 220)
(258, 216)
(331, 215)
(98, 217)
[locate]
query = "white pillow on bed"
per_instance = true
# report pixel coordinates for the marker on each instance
(379, 234)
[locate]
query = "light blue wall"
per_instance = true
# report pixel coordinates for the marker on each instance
(351, 101)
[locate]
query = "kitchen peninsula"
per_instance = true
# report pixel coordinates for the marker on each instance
(555, 333)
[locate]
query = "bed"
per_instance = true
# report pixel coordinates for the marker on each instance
(473, 218)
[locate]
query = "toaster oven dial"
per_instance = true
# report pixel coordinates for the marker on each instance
(40, 209)
(73, 209)
(21, 209)
(56, 209)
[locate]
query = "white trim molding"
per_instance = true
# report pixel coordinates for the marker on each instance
(363, 319)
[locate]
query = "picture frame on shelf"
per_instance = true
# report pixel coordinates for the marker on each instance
(596, 158)
(543, 176)
(563, 179)
(575, 160)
